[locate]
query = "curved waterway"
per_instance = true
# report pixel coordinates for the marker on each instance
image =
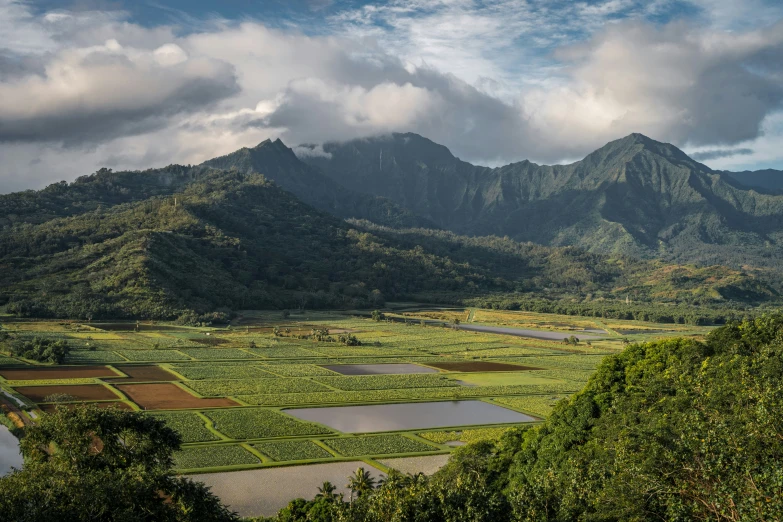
(10, 456)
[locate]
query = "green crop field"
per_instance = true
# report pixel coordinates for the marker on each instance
(189, 425)
(236, 380)
(378, 445)
(292, 450)
(199, 457)
(257, 423)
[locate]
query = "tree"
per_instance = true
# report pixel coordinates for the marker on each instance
(327, 490)
(377, 315)
(103, 465)
(43, 350)
(360, 483)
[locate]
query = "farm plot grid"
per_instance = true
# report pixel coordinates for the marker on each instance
(230, 392)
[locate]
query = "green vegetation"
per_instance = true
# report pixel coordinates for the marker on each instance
(116, 245)
(467, 436)
(676, 429)
(42, 350)
(291, 450)
(377, 445)
(64, 478)
(224, 387)
(199, 457)
(190, 426)
(384, 382)
(257, 423)
(199, 372)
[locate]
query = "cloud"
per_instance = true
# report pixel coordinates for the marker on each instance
(720, 154)
(80, 90)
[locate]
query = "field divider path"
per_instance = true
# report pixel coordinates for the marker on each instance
(211, 426)
(263, 458)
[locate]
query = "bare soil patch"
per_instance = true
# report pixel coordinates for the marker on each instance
(168, 397)
(480, 366)
(82, 392)
(49, 408)
(58, 372)
(144, 374)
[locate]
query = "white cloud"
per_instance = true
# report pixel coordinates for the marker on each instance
(84, 90)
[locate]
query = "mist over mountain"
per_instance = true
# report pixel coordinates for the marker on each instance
(634, 196)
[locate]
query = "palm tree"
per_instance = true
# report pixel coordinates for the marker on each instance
(327, 490)
(360, 482)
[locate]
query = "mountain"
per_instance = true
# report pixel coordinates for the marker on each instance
(279, 163)
(634, 196)
(769, 179)
(197, 242)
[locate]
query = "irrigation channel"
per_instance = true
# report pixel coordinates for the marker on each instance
(10, 456)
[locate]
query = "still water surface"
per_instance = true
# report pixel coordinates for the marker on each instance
(419, 415)
(9, 452)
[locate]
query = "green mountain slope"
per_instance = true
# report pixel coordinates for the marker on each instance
(279, 163)
(230, 240)
(633, 196)
(769, 179)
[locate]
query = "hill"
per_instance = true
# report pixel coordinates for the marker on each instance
(634, 196)
(769, 179)
(181, 241)
(279, 163)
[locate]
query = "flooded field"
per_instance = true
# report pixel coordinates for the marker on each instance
(378, 369)
(263, 492)
(10, 457)
(396, 417)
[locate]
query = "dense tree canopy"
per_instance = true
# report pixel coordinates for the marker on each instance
(103, 465)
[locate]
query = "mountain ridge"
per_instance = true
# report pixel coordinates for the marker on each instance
(635, 196)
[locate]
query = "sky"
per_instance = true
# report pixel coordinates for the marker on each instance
(137, 84)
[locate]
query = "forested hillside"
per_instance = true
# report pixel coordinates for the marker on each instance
(189, 241)
(676, 430)
(634, 196)
(279, 163)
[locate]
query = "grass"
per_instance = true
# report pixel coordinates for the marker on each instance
(199, 457)
(263, 372)
(466, 436)
(502, 378)
(540, 405)
(258, 423)
(153, 355)
(230, 387)
(208, 354)
(377, 445)
(199, 372)
(293, 450)
(189, 425)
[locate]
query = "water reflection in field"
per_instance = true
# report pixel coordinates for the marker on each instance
(421, 415)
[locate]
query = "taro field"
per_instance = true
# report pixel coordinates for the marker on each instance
(232, 391)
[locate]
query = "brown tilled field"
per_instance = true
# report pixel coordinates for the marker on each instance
(59, 372)
(49, 408)
(168, 397)
(144, 374)
(480, 366)
(82, 392)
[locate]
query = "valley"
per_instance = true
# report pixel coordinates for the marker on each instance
(264, 392)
